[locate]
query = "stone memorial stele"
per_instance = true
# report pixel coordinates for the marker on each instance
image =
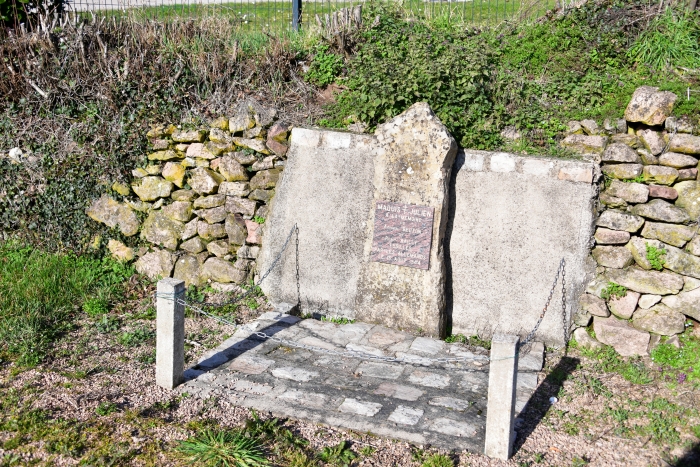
(331, 187)
(414, 154)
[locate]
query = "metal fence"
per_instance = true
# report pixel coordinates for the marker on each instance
(278, 15)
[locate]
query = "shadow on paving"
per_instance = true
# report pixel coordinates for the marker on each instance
(538, 405)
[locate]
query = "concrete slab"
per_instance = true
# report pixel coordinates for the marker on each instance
(442, 405)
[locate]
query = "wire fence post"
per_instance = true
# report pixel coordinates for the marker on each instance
(500, 409)
(296, 14)
(170, 333)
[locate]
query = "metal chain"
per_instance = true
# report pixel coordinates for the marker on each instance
(297, 265)
(411, 359)
(563, 303)
(561, 271)
(415, 360)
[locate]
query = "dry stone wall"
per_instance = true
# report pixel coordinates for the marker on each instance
(646, 242)
(204, 197)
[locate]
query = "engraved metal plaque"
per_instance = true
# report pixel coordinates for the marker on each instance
(403, 234)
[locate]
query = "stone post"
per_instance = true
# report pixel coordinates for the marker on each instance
(503, 374)
(170, 333)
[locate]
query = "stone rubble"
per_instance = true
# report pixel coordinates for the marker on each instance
(203, 193)
(650, 205)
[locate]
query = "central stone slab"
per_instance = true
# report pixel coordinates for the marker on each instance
(413, 160)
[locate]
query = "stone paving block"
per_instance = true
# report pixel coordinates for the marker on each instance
(398, 391)
(368, 409)
(320, 343)
(405, 415)
(427, 345)
(365, 349)
(212, 359)
(460, 405)
(350, 333)
(383, 337)
(534, 359)
(431, 380)
(309, 399)
(380, 370)
(250, 364)
(250, 387)
(475, 381)
(403, 346)
(527, 380)
(191, 374)
(453, 427)
(295, 374)
(413, 359)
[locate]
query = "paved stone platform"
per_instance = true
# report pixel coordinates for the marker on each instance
(420, 402)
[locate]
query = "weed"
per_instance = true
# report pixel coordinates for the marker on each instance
(438, 460)
(367, 451)
(324, 67)
(105, 408)
(147, 358)
(613, 290)
(539, 457)
(259, 220)
(223, 448)
(339, 455)
(685, 359)
(337, 319)
(107, 324)
(95, 306)
(136, 337)
(298, 458)
(273, 432)
(608, 361)
(579, 461)
(475, 341)
(655, 257)
(193, 294)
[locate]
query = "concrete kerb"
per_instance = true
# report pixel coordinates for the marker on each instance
(170, 333)
(503, 375)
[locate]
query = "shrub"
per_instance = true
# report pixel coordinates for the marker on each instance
(223, 448)
(325, 67)
(402, 62)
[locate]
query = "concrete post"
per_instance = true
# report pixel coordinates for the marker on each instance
(503, 374)
(170, 333)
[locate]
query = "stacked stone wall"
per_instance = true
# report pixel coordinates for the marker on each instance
(646, 243)
(205, 195)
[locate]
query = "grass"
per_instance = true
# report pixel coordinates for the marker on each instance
(475, 341)
(680, 364)
(39, 293)
(276, 16)
(223, 448)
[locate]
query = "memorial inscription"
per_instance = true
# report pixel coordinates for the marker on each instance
(403, 234)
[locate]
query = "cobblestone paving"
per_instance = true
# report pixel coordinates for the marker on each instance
(440, 404)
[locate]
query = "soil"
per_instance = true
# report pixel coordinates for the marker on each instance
(91, 370)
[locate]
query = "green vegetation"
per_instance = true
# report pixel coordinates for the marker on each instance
(535, 77)
(259, 220)
(223, 448)
(325, 67)
(475, 341)
(672, 39)
(38, 292)
(608, 361)
(681, 364)
(337, 319)
(339, 455)
(655, 256)
(438, 460)
(613, 290)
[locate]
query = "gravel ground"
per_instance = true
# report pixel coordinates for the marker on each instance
(93, 369)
